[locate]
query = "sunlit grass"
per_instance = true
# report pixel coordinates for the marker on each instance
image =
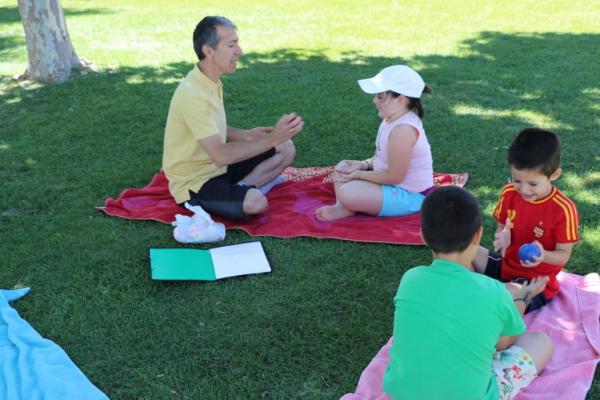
(530, 117)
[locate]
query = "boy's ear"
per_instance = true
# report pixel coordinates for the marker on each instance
(555, 175)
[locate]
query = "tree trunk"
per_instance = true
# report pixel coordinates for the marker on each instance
(51, 56)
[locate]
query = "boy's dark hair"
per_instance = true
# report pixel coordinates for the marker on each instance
(535, 149)
(206, 33)
(413, 102)
(450, 217)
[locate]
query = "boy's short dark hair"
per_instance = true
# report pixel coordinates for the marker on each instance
(535, 149)
(450, 217)
(206, 33)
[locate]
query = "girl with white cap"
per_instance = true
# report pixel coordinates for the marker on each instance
(396, 179)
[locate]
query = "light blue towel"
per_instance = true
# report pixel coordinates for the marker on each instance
(33, 367)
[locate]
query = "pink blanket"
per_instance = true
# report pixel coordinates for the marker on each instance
(291, 212)
(571, 320)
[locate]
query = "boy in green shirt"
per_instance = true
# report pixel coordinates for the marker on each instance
(459, 334)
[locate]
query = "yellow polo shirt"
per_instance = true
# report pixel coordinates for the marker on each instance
(196, 112)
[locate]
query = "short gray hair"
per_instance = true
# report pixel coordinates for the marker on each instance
(206, 33)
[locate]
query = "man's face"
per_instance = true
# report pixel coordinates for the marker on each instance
(228, 51)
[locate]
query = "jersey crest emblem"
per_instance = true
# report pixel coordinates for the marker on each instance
(538, 230)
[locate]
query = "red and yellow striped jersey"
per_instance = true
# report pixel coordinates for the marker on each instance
(550, 220)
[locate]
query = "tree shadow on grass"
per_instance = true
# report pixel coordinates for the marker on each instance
(9, 15)
(9, 43)
(65, 148)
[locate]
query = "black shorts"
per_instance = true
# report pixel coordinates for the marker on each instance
(493, 269)
(220, 195)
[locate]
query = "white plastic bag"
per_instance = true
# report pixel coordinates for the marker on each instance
(199, 228)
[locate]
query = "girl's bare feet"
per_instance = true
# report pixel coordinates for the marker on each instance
(331, 213)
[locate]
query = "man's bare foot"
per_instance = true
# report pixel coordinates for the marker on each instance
(331, 213)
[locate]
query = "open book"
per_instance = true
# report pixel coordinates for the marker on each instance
(208, 265)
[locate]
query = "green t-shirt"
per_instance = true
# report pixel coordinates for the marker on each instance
(446, 326)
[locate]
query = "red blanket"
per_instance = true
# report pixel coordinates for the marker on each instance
(292, 206)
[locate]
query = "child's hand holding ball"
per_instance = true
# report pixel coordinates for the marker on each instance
(530, 254)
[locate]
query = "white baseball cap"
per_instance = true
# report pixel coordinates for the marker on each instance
(401, 79)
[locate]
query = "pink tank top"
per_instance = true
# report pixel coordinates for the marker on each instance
(419, 176)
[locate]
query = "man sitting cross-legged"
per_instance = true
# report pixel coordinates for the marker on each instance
(208, 162)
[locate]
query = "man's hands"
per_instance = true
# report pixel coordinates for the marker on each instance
(258, 132)
(242, 144)
(288, 126)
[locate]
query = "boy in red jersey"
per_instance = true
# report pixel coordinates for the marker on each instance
(532, 210)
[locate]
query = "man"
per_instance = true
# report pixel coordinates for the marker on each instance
(208, 162)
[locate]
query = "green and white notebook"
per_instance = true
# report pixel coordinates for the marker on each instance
(179, 264)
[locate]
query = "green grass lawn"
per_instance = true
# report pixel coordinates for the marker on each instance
(307, 330)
